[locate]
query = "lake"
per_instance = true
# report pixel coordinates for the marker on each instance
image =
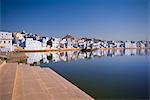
(103, 74)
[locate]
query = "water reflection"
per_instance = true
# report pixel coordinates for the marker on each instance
(34, 58)
(123, 77)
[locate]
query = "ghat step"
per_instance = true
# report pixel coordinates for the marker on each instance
(24, 82)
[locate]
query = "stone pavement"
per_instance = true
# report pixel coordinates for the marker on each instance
(24, 82)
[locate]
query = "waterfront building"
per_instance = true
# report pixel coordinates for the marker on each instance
(37, 37)
(6, 42)
(63, 43)
(55, 42)
(19, 35)
(81, 43)
(143, 44)
(148, 44)
(102, 44)
(122, 44)
(44, 41)
(130, 44)
(31, 44)
(19, 39)
(96, 43)
(118, 44)
(30, 41)
(89, 43)
(70, 40)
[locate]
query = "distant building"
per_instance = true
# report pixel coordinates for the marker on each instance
(55, 42)
(19, 38)
(70, 40)
(130, 44)
(81, 43)
(44, 41)
(31, 44)
(6, 42)
(19, 35)
(89, 43)
(63, 43)
(29, 41)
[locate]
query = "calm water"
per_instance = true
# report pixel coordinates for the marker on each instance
(102, 74)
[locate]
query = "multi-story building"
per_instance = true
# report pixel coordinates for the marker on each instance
(44, 41)
(70, 41)
(6, 42)
(19, 35)
(130, 44)
(55, 42)
(31, 44)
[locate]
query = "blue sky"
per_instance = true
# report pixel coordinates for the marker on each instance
(103, 19)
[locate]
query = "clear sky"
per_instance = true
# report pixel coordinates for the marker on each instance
(103, 19)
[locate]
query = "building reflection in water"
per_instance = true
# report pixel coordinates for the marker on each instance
(34, 58)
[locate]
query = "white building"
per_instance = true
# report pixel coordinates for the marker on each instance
(63, 43)
(70, 40)
(44, 41)
(89, 43)
(19, 35)
(82, 43)
(129, 44)
(96, 45)
(55, 43)
(31, 44)
(6, 42)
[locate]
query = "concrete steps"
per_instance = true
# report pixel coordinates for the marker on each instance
(2, 63)
(18, 85)
(7, 79)
(24, 82)
(68, 89)
(31, 89)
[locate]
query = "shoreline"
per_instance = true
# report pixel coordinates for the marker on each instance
(50, 50)
(75, 49)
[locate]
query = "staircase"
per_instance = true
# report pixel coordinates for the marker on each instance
(24, 82)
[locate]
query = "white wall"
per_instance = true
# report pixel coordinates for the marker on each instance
(31, 44)
(6, 42)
